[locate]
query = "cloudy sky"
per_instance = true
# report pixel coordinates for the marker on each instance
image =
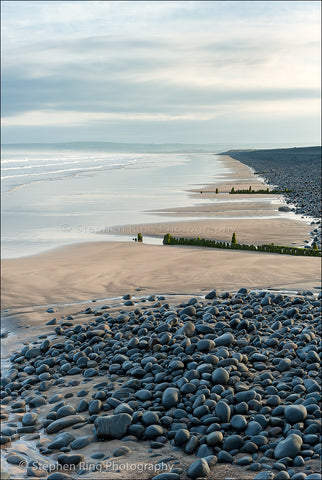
(147, 71)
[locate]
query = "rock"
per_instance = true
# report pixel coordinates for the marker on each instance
(53, 321)
(243, 291)
(65, 411)
(205, 345)
(45, 346)
(143, 395)
(16, 459)
(81, 442)
(295, 413)
(253, 428)
(73, 459)
(37, 402)
(190, 311)
(204, 451)
(59, 476)
(243, 461)
(167, 476)
(149, 418)
(29, 419)
(94, 407)
(82, 406)
(113, 426)
(4, 439)
(284, 365)
(264, 476)
(290, 447)
(224, 340)
(223, 411)
(245, 396)
(8, 431)
(64, 422)
(199, 468)
(233, 442)
(153, 431)
(182, 436)
(61, 440)
(191, 445)
(238, 422)
(188, 329)
(224, 457)
(119, 452)
(219, 376)
(175, 381)
(284, 209)
(214, 439)
(56, 398)
(170, 397)
(211, 295)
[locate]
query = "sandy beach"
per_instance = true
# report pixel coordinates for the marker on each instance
(104, 270)
(254, 218)
(64, 282)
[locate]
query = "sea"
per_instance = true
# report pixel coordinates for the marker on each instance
(55, 194)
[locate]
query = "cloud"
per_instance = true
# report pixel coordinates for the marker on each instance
(72, 118)
(80, 63)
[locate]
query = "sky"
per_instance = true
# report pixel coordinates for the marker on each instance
(161, 71)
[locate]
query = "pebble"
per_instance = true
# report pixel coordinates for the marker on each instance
(290, 447)
(238, 422)
(59, 476)
(304, 187)
(64, 422)
(199, 468)
(167, 476)
(233, 442)
(222, 410)
(61, 440)
(16, 459)
(229, 379)
(74, 459)
(220, 376)
(224, 340)
(121, 451)
(295, 413)
(29, 419)
(170, 397)
(264, 476)
(81, 442)
(113, 426)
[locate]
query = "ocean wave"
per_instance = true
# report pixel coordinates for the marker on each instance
(53, 173)
(62, 174)
(41, 165)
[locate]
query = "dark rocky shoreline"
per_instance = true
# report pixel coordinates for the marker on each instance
(232, 378)
(298, 170)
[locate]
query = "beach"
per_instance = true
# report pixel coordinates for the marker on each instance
(254, 219)
(199, 323)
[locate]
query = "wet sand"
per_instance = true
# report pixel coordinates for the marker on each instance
(254, 218)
